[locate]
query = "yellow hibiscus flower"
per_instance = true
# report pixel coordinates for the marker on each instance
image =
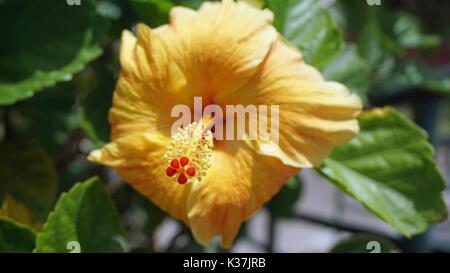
(227, 53)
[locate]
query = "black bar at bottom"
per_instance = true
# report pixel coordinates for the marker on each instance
(220, 262)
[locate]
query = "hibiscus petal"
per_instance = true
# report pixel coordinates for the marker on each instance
(314, 115)
(145, 92)
(138, 159)
(238, 183)
(219, 47)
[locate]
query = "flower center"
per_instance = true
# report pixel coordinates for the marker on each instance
(189, 152)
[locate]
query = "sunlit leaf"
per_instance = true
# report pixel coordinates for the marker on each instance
(85, 215)
(389, 168)
(310, 27)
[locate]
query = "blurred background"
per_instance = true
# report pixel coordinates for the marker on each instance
(393, 53)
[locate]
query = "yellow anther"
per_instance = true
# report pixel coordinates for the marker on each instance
(192, 144)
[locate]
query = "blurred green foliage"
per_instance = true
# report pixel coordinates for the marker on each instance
(58, 67)
(27, 175)
(46, 44)
(95, 105)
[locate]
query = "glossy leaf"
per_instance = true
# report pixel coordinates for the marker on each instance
(46, 44)
(15, 238)
(389, 168)
(85, 215)
(310, 27)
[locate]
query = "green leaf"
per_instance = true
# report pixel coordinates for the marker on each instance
(27, 173)
(389, 168)
(364, 243)
(15, 238)
(282, 204)
(46, 44)
(307, 25)
(85, 214)
(349, 69)
(95, 107)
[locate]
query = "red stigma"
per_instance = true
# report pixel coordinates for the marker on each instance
(182, 179)
(170, 171)
(179, 166)
(191, 171)
(184, 161)
(175, 163)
